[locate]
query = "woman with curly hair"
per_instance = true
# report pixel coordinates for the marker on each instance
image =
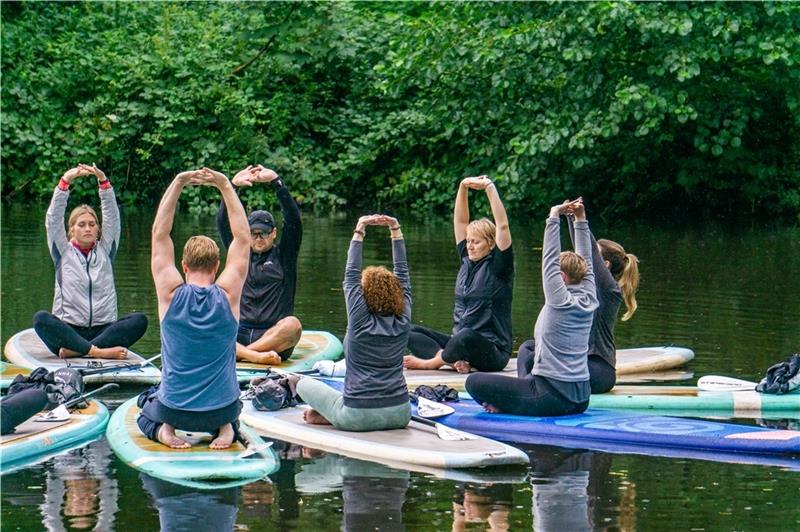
(378, 320)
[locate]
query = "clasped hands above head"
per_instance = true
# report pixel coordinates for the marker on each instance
(569, 208)
(254, 174)
(83, 170)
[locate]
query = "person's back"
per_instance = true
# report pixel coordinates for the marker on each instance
(198, 345)
(199, 317)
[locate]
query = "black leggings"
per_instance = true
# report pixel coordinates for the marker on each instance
(19, 407)
(155, 413)
(466, 344)
(602, 375)
(531, 395)
(56, 333)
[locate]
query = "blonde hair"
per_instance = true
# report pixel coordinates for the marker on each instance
(73, 219)
(574, 266)
(200, 253)
(383, 292)
(483, 228)
(625, 269)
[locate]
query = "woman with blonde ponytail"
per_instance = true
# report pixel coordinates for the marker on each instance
(616, 281)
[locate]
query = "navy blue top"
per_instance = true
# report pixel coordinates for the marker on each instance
(198, 350)
(483, 295)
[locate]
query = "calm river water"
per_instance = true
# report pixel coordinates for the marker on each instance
(730, 295)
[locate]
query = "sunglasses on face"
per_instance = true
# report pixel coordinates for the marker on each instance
(258, 234)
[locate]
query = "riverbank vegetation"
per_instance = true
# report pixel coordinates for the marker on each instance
(676, 108)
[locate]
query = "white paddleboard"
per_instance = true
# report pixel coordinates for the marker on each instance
(26, 349)
(642, 362)
(416, 445)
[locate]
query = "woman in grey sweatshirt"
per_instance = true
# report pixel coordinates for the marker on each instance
(378, 320)
(559, 381)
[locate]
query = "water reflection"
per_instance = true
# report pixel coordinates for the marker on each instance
(188, 509)
(570, 490)
(80, 492)
(482, 503)
(372, 494)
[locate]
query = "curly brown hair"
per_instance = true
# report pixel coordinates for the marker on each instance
(382, 291)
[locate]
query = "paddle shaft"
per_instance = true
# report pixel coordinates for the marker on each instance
(106, 387)
(120, 367)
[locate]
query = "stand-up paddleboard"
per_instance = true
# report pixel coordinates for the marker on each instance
(313, 347)
(670, 375)
(417, 445)
(677, 400)
(629, 429)
(26, 349)
(34, 441)
(8, 373)
(641, 363)
(198, 466)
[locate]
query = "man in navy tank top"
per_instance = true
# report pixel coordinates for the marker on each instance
(199, 319)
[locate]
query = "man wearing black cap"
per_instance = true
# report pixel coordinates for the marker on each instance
(268, 330)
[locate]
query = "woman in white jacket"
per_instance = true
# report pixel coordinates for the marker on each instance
(84, 317)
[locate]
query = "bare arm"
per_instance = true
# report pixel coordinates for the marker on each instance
(461, 211)
(166, 276)
(233, 275)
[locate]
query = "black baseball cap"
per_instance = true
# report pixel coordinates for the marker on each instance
(261, 220)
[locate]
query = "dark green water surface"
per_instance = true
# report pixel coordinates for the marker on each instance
(733, 296)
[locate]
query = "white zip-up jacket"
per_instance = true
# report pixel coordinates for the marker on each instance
(85, 295)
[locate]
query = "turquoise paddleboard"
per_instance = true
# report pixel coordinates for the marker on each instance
(313, 347)
(677, 400)
(8, 372)
(27, 350)
(35, 441)
(199, 466)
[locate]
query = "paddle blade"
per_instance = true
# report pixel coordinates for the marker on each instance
(428, 409)
(718, 383)
(446, 433)
(59, 413)
(253, 450)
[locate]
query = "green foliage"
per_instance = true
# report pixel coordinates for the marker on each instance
(689, 108)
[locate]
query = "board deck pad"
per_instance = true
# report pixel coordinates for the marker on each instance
(34, 441)
(415, 445)
(199, 465)
(26, 349)
(313, 347)
(636, 364)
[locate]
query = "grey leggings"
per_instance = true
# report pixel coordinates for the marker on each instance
(330, 404)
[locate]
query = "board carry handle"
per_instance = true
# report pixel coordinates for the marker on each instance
(719, 383)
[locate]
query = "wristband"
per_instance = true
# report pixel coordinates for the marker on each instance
(103, 185)
(394, 228)
(63, 184)
(358, 232)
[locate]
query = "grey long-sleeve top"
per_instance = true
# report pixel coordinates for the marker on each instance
(562, 328)
(375, 343)
(85, 294)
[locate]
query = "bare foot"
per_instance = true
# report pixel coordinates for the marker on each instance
(412, 362)
(117, 352)
(462, 366)
(491, 408)
(268, 358)
(312, 417)
(166, 435)
(224, 439)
